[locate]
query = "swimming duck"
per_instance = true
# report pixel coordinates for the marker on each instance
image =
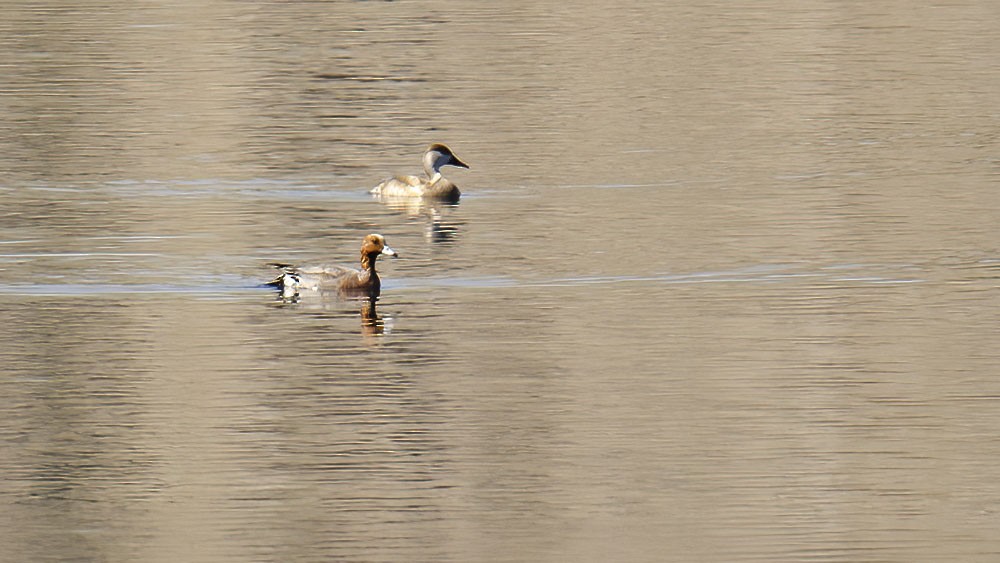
(434, 185)
(365, 281)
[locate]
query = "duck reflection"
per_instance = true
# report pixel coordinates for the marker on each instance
(438, 216)
(373, 325)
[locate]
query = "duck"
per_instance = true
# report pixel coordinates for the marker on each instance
(294, 279)
(433, 186)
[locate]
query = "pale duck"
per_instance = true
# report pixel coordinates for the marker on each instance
(434, 185)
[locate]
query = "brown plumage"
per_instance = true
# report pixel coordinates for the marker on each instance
(365, 281)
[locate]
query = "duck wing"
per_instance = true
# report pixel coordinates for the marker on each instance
(400, 185)
(332, 270)
(320, 276)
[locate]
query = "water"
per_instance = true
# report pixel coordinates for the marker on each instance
(723, 285)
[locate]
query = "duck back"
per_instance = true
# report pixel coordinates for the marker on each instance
(401, 186)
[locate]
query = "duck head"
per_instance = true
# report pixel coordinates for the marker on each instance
(439, 155)
(374, 244)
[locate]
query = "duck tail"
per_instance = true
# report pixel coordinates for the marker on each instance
(287, 271)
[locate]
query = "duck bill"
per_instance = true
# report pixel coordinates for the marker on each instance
(389, 252)
(456, 162)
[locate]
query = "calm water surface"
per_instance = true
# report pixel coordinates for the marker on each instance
(723, 285)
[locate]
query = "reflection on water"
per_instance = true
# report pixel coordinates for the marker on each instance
(372, 324)
(438, 217)
(723, 286)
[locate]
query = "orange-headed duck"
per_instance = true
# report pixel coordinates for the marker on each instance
(340, 278)
(434, 186)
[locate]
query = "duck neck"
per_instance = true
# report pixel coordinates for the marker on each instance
(433, 173)
(368, 261)
(432, 167)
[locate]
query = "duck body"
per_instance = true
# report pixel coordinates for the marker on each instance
(415, 186)
(322, 277)
(294, 279)
(431, 186)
